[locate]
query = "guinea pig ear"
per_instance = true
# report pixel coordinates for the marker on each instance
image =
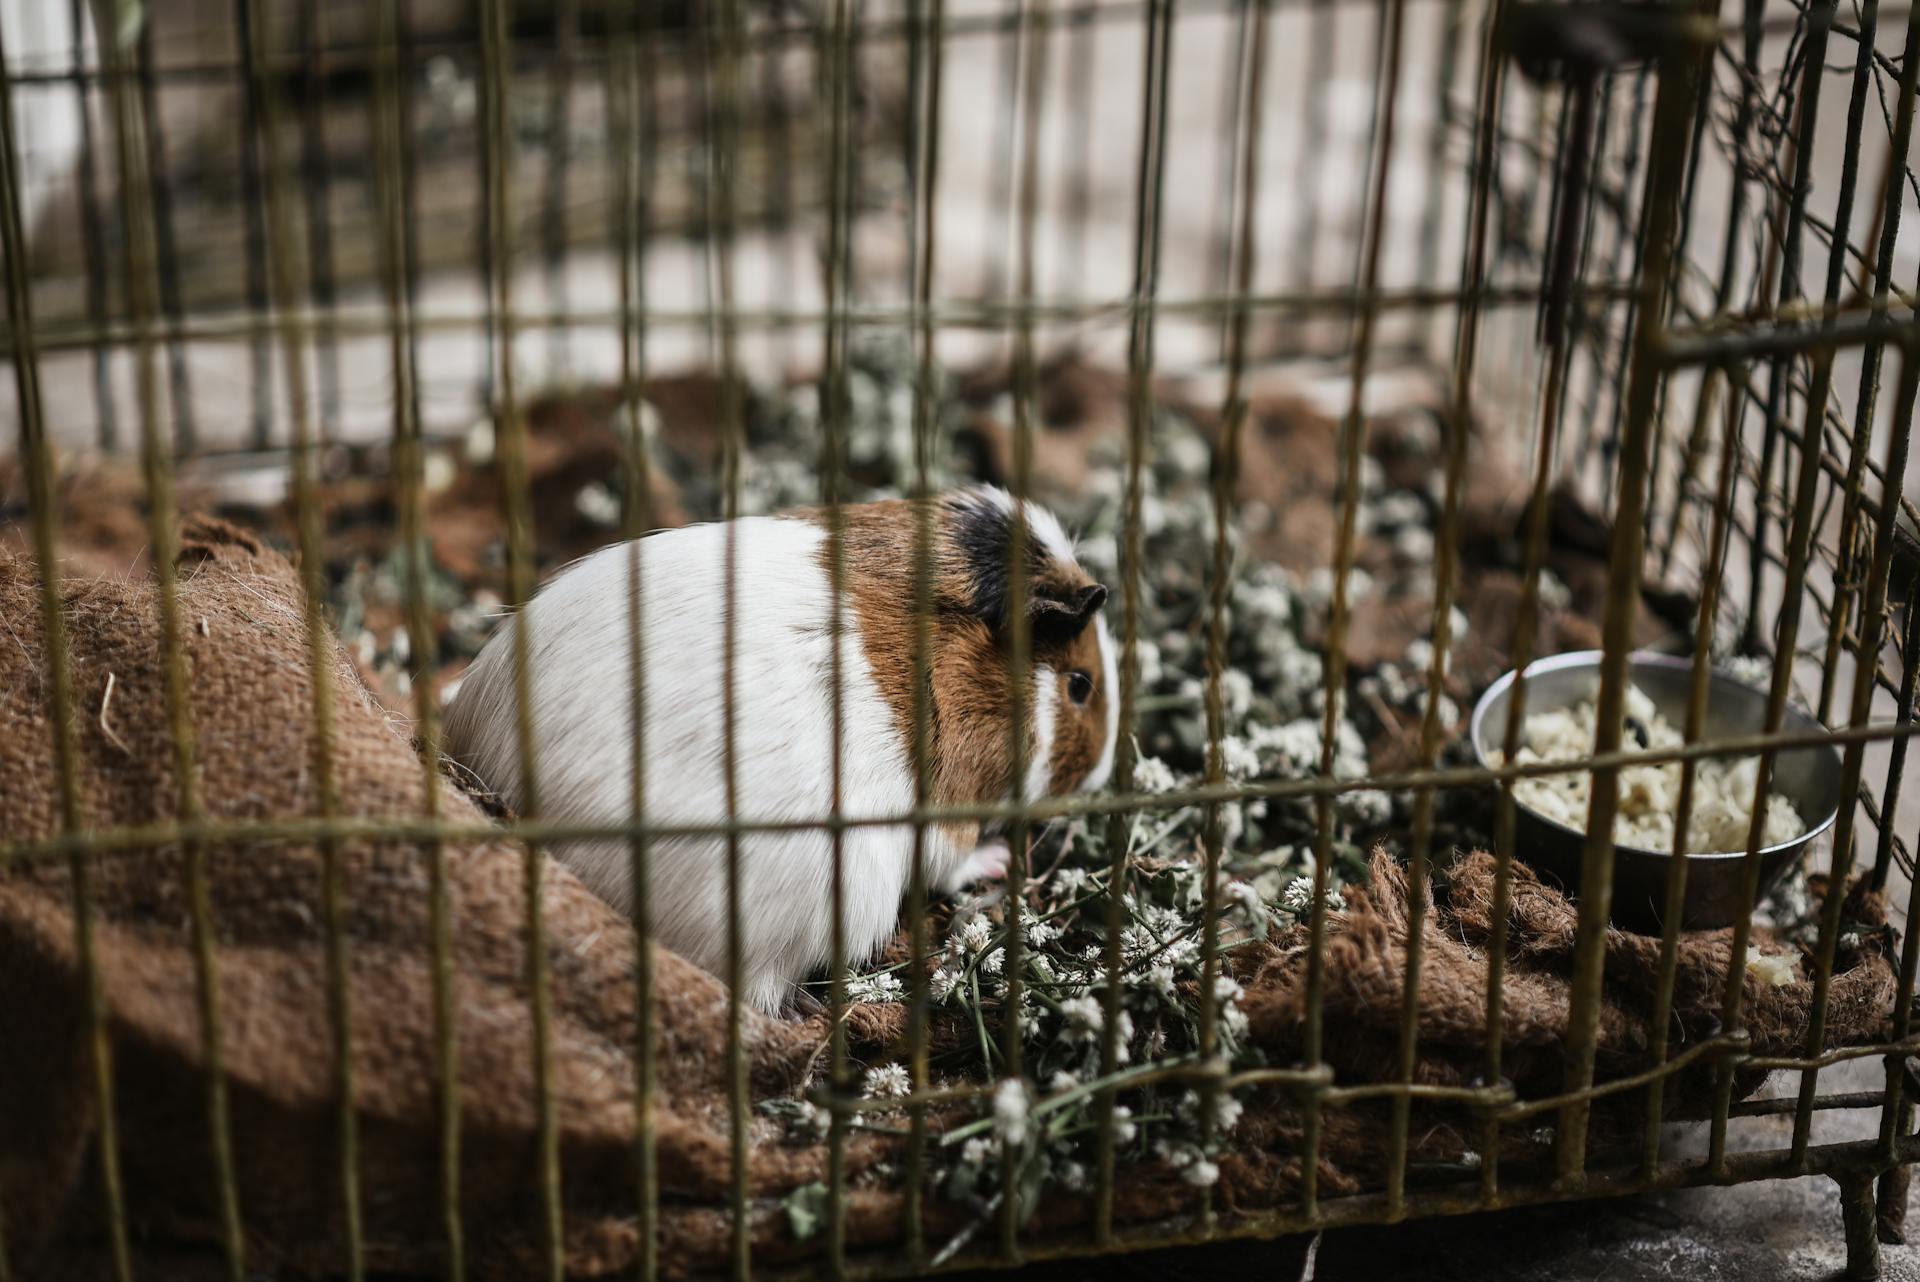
(1065, 616)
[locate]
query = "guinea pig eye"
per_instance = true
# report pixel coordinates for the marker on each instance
(1079, 686)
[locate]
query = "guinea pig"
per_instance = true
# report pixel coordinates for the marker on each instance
(582, 713)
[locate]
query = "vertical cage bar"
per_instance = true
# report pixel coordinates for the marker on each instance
(1724, 282)
(1353, 436)
(1000, 198)
(253, 199)
(1897, 757)
(1819, 21)
(1525, 637)
(167, 255)
(1584, 130)
(1845, 549)
(559, 157)
(1083, 43)
(1491, 105)
(1799, 541)
(317, 177)
(1227, 164)
(834, 410)
(1322, 52)
(391, 117)
(285, 293)
(1034, 28)
(1233, 421)
(723, 114)
(1696, 439)
(1676, 890)
(1149, 191)
(1452, 19)
(515, 502)
(778, 127)
(926, 174)
(1866, 668)
(36, 458)
(630, 67)
(1896, 1116)
(1630, 166)
(136, 191)
(92, 236)
(1680, 73)
(1446, 572)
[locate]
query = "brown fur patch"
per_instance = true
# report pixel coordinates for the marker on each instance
(967, 732)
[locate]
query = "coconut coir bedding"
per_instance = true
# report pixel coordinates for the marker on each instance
(251, 691)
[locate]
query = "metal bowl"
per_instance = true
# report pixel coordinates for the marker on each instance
(1808, 777)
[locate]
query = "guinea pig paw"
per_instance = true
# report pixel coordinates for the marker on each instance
(988, 862)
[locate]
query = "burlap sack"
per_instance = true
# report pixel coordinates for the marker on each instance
(251, 710)
(251, 692)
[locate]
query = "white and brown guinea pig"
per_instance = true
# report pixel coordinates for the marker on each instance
(783, 715)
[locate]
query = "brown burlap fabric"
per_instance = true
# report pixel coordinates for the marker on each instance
(251, 691)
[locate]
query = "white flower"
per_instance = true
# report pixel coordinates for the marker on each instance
(1084, 1015)
(1318, 589)
(1247, 900)
(1298, 896)
(1152, 775)
(1063, 1081)
(1397, 509)
(1160, 975)
(1366, 807)
(884, 986)
(944, 981)
(978, 1150)
(814, 1118)
(1073, 1177)
(889, 1081)
(1010, 1112)
(1041, 933)
(975, 933)
(1236, 692)
(1201, 1173)
(1071, 881)
(1234, 1020)
(1124, 1128)
(1262, 598)
(993, 961)
(1295, 746)
(1238, 758)
(1227, 1111)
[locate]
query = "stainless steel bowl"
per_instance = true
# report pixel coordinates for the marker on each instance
(1808, 777)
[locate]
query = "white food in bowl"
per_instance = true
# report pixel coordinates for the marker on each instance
(1649, 795)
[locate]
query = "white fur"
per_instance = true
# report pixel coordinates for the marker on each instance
(582, 704)
(1097, 777)
(1046, 716)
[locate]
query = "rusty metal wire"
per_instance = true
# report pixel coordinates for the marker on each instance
(1764, 466)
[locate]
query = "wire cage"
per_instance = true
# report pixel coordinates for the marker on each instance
(331, 236)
